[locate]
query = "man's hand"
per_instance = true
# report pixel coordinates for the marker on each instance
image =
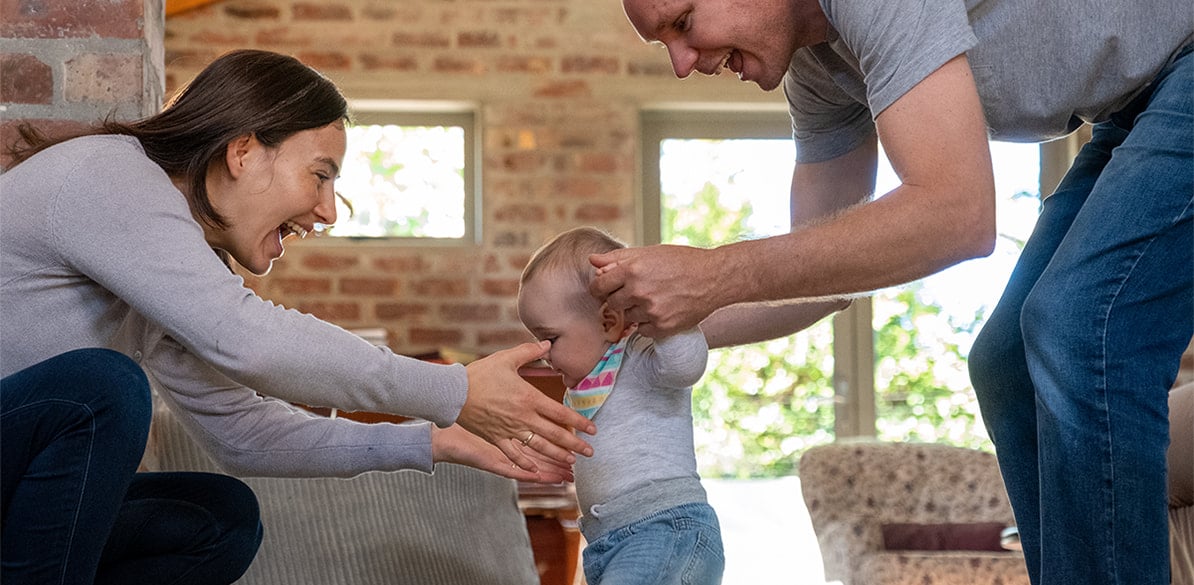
(456, 445)
(665, 289)
(516, 417)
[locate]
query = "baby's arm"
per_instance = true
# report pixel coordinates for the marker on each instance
(753, 322)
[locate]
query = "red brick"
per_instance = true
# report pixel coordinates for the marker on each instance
(656, 68)
(478, 39)
(400, 311)
(503, 338)
(522, 162)
(521, 213)
(31, 19)
(301, 286)
(284, 36)
(25, 79)
(379, 287)
(389, 62)
(422, 40)
(473, 313)
(324, 261)
(308, 11)
(500, 287)
(217, 37)
(578, 188)
(106, 78)
(252, 10)
(511, 239)
(332, 311)
(458, 65)
(598, 212)
(590, 65)
(421, 336)
(442, 287)
(524, 64)
(400, 264)
(326, 61)
(576, 88)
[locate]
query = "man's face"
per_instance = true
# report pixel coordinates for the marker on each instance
(754, 39)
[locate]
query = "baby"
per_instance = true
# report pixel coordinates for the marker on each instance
(644, 512)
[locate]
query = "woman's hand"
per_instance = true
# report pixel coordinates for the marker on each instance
(516, 417)
(456, 445)
(665, 289)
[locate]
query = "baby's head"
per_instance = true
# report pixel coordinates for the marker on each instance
(554, 302)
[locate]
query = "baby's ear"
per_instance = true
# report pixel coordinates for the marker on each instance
(613, 323)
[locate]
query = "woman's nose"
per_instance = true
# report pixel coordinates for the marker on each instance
(325, 210)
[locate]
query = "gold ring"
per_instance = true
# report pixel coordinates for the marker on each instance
(528, 439)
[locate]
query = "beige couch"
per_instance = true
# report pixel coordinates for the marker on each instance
(458, 526)
(1181, 483)
(858, 491)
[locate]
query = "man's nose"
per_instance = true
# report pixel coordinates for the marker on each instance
(684, 59)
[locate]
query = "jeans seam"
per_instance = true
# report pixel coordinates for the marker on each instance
(82, 490)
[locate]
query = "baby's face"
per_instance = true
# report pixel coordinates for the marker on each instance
(548, 307)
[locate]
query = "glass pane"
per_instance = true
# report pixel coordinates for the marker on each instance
(924, 330)
(403, 181)
(758, 406)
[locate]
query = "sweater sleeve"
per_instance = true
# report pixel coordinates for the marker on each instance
(120, 222)
(249, 435)
(678, 361)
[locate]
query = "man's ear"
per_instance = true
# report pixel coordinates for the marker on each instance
(613, 323)
(236, 156)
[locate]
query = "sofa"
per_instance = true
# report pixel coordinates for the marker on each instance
(909, 514)
(1181, 484)
(456, 526)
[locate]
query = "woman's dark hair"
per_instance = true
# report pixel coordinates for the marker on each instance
(268, 95)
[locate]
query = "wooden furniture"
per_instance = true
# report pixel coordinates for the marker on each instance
(551, 510)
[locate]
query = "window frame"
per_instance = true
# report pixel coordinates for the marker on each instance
(421, 113)
(853, 329)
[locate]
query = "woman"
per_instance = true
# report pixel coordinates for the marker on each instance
(107, 240)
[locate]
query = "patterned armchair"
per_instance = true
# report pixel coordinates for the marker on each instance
(860, 494)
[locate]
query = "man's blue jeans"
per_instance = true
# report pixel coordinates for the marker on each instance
(73, 508)
(1073, 367)
(677, 546)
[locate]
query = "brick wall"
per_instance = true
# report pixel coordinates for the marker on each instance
(558, 86)
(67, 63)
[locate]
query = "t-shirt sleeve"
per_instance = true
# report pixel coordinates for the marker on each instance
(826, 121)
(899, 42)
(889, 46)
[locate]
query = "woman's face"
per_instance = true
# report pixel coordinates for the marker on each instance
(551, 307)
(267, 194)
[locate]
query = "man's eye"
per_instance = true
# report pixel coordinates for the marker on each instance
(682, 23)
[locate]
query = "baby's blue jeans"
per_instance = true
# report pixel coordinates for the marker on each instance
(677, 546)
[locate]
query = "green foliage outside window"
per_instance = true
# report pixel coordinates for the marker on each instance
(759, 406)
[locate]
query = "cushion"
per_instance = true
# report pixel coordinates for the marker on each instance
(947, 536)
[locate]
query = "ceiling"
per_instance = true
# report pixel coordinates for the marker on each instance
(176, 6)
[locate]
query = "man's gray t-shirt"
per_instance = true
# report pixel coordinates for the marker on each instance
(1042, 68)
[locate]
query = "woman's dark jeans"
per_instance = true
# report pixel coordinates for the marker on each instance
(74, 510)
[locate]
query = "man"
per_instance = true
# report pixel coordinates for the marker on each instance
(1073, 366)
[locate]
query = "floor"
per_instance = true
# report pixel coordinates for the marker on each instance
(767, 533)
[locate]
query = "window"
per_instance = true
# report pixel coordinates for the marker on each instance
(408, 175)
(865, 362)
